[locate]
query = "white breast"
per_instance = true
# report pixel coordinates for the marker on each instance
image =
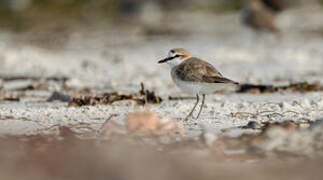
(202, 88)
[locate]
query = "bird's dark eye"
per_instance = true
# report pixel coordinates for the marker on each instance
(172, 51)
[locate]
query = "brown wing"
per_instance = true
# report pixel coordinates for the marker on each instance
(216, 79)
(197, 70)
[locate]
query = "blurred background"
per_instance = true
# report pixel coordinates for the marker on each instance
(52, 22)
(96, 39)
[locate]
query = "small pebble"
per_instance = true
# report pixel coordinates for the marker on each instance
(253, 125)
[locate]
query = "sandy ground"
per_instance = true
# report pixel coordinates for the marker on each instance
(111, 59)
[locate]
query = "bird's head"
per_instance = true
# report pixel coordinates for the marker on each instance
(176, 56)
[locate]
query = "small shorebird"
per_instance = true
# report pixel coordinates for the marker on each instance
(194, 75)
(258, 16)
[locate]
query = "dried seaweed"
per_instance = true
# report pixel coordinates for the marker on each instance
(251, 88)
(35, 78)
(294, 87)
(141, 98)
(107, 98)
(287, 125)
(302, 87)
(171, 98)
(149, 96)
(10, 99)
(4, 97)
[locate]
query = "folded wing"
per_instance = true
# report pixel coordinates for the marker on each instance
(197, 70)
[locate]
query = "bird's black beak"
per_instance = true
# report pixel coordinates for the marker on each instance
(165, 60)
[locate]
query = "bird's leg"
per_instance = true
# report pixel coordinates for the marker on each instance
(197, 101)
(203, 99)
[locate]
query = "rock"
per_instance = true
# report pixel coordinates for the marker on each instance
(252, 125)
(141, 122)
(59, 96)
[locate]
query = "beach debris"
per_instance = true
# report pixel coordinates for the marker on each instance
(172, 98)
(251, 88)
(106, 98)
(288, 125)
(141, 98)
(149, 96)
(4, 97)
(10, 98)
(302, 87)
(294, 87)
(34, 78)
(252, 125)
